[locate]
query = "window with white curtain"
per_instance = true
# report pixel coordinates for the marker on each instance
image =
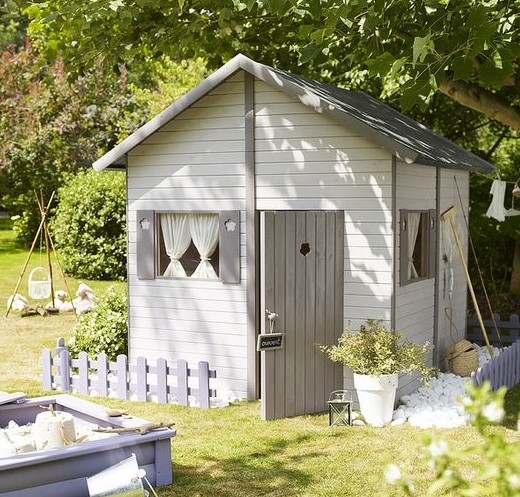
(417, 245)
(188, 245)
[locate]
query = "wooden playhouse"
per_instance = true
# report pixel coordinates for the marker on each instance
(264, 202)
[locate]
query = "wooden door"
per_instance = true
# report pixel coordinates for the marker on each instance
(302, 283)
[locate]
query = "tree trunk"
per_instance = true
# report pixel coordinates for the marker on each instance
(486, 102)
(514, 287)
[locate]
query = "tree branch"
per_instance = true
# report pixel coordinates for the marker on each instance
(483, 101)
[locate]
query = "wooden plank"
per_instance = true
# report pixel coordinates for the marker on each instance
(330, 297)
(102, 374)
(266, 300)
(320, 387)
(142, 378)
(310, 310)
(162, 381)
(46, 365)
(64, 371)
(290, 330)
(339, 289)
(145, 244)
(122, 377)
(300, 285)
(182, 382)
(83, 363)
(278, 307)
(203, 391)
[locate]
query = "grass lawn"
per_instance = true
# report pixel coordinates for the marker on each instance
(231, 452)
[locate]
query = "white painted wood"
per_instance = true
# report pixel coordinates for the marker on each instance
(194, 163)
(452, 311)
(415, 189)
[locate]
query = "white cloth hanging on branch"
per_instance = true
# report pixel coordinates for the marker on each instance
(497, 210)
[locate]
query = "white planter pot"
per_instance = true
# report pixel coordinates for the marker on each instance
(376, 396)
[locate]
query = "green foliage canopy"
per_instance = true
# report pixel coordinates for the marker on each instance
(51, 127)
(467, 49)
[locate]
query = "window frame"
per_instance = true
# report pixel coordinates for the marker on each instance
(148, 245)
(428, 234)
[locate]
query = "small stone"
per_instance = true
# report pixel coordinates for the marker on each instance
(358, 422)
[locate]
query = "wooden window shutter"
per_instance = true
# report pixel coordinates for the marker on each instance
(229, 246)
(145, 245)
(403, 247)
(432, 242)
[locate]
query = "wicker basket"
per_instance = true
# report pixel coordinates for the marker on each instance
(462, 358)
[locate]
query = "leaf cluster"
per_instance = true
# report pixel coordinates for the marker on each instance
(488, 468)
(52, 127)
(89, 225)
(375, 350)
(104, 328)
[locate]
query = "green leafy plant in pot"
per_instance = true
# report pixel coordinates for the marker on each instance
(377, 355)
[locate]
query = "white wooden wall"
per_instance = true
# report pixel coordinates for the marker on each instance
(452, 312)
(306, 161)
(195, 163)
(415, 302)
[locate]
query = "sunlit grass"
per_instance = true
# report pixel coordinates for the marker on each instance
(230, 452)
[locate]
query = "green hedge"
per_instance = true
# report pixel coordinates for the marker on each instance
(89, 225)
(104, 328)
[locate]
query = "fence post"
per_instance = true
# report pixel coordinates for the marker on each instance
(46, 364)
(141, 370)
(182, 382)
(84, 382)
(64, 371)
(102, 374)
(122, 376)
(162, 381)
(204, 384)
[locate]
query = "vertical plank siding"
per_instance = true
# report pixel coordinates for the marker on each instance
(118, 379)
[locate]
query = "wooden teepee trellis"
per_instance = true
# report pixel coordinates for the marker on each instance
(43, 231)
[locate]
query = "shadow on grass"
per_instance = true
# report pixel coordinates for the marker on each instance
(257, 473)
(512, 406)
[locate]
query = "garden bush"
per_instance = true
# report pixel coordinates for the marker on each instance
(89, 225)
(103, 329)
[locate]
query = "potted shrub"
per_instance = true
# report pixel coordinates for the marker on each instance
(377, 355)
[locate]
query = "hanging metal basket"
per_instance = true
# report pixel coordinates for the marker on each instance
(39, 284)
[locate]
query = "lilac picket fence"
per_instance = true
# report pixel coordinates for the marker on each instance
(504, 368)
(118, 379)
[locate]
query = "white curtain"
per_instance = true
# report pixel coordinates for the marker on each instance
(177, 239)
(414, 220)
(204, 232)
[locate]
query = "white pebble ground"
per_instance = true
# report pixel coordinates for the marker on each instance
(437, 404)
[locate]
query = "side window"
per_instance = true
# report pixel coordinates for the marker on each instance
(417, 245)
(198, 245)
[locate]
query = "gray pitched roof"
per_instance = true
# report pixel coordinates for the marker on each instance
(400, 135)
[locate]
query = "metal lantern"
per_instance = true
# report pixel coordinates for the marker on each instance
(340, 408)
